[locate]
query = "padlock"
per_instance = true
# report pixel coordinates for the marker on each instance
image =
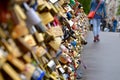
(24, 47)
(62, 58)
(23, 77)
(46, 17)
(53, 10)
(74, 27)
(66, 34)
(70, 23)
(54, 76)
(44, 7)
(27, 57)
(38, 74)
(56, 21)
(61, 2)
(70, 47)
(48, 56)
(52, 53)
(16, 62)
(40, 51)
(11, 49)
(61, 70)
(39, 37)
(29, 40)
(56, 31)
(74, 43)
(10, 71)
(69, 15)
(59, 9)
(55, 44)
(40, 2)
(63, 48)
(19, 30)
(16, 52)
(29, 70)
(58, 53)
(19, 11)
(48, 37)
(51, 65)
(44, 60)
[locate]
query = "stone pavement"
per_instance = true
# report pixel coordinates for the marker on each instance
(103, 58)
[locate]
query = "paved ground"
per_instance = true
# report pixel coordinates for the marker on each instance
(102, 58)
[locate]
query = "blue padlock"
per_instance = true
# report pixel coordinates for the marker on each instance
(38, 74)
(74, 43)
(69, 15)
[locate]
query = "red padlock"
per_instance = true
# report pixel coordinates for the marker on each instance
(74, 27)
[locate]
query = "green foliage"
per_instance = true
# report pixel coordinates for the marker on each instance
(118, 11)
(86, 5)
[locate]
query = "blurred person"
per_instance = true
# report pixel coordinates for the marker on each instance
(104, 23)
(91, 25)
(109, 27)
(118, 27)
(114, 23)
(100, 14)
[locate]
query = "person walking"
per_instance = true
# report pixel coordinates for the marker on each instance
(118, 27)
(114, 21)
(104, 23)
(100, 14)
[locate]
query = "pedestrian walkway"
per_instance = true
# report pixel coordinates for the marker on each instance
(103, 58)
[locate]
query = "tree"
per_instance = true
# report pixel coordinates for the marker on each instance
(86, 5)
(118, 11)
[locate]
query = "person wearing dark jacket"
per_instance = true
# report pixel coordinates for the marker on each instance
(103, 24)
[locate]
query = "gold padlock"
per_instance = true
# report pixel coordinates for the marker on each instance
(40, 51)
(16, 51)
(46, 17)
(56, 31)
(39, 37)
(60, 8)
(54, 76)
(44, 7)
(27, 57)
(53, 10)
(19, 11)
(40, 2)
(16, 62)
(10, 71)
(61, 2)
(48, 37)
(29, 40)
(19, 30)
(55, 44)
(11, 49)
